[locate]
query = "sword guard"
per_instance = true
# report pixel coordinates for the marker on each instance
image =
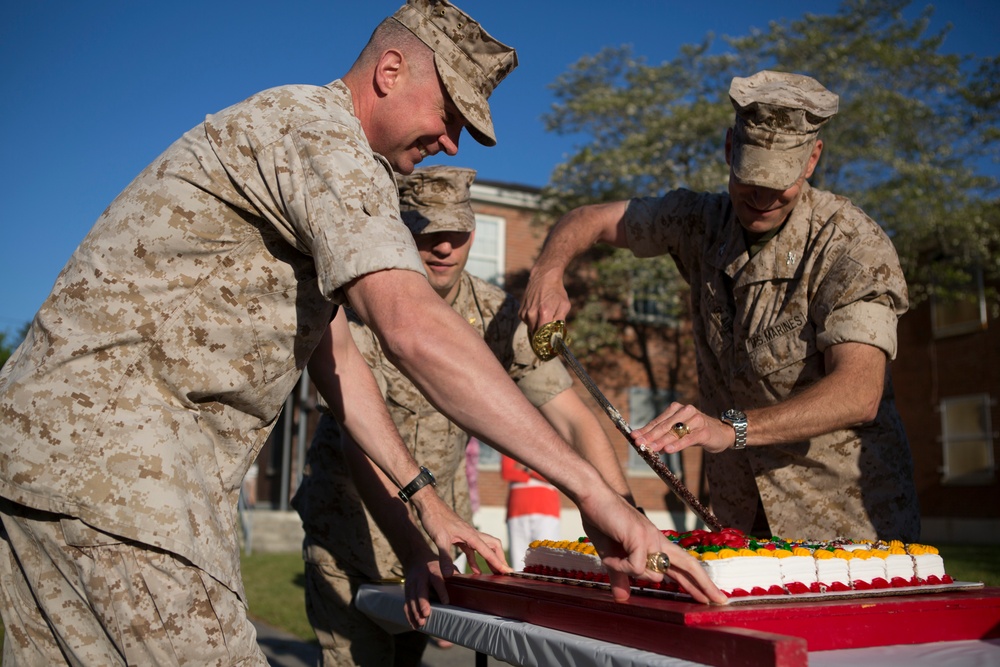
(541, 342)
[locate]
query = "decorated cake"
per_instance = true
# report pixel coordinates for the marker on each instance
(741, 565)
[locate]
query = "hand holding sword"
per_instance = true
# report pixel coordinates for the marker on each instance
(549, 341)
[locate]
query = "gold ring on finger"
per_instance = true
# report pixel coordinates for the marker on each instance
(680, 429)
(657, 562)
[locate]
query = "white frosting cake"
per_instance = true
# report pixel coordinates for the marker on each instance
(744, 570)
(927, 564)
(798, 570)
(832, 570)
(866, 566)
(763, 567)
(564, 556)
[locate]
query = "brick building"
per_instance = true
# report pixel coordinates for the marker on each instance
(947, 379)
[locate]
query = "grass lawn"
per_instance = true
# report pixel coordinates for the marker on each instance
(275, 583)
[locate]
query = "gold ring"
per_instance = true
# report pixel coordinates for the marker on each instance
(680, 429)
(657, 562)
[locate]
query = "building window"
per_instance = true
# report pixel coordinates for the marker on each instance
(967, 440)
(643, 406)
(488, 457)
(487, 257)
(961, 312)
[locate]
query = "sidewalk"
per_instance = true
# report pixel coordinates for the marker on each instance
(285, 650)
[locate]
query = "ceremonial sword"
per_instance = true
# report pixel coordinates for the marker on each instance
(548, 342)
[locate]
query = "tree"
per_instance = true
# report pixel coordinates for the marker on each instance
(8, 345)
(916, 127)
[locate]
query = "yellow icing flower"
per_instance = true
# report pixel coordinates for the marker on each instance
(823, 554)
(708, 555)
(747, 552)
(862, 554)
(765, 552)
(843, 554)
(782, 553)
(920, 549)
(897, 550)
(727, 553)
(880, 553)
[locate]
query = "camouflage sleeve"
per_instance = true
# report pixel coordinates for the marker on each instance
(304, 163)
(862, 295)
(677, 223)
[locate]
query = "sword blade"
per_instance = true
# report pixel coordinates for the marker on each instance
(651, 458)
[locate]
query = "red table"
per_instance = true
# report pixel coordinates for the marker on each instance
(778, 634)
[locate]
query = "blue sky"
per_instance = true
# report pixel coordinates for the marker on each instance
(95, 90)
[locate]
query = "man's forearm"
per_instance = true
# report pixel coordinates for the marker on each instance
(578, 425)
(453, 367)
(849, 395)
(392, 516)
(335, 365)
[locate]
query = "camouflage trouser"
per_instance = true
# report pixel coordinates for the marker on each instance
(73, 595)
(348, 637)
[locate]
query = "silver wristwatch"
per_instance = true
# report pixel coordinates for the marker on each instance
(738, 420)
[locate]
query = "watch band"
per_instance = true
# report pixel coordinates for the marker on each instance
(420, 481)
(738, 420)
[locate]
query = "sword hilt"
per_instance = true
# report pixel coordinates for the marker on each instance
(541, 342)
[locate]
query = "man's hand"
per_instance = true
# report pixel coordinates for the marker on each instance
(419, 578)
(627, 540)
(545, 300)
(659, 434)
(447, 530)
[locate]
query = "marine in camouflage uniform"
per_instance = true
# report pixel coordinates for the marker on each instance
(156, 368)
(344, 547)
(771, 303)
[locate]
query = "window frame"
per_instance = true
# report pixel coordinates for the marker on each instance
(945, 321)
(949, 441)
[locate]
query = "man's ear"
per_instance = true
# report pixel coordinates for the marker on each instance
(388, 71)
(729, 147)
(814, 158)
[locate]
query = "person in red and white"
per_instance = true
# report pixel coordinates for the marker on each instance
(532, 509)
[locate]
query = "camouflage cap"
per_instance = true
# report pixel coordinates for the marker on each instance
(778, 116)
(469, 61)
(437, 199)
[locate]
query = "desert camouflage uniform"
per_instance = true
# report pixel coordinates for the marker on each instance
(344, 547)
(761, 325)
(156, 368)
